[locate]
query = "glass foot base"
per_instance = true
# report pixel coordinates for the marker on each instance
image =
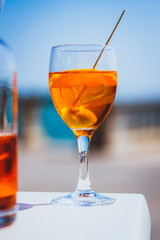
(7, 217)
(82, 198)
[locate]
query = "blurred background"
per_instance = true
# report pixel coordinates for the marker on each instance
(125, 150)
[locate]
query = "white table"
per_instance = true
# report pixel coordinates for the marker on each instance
(127, 219)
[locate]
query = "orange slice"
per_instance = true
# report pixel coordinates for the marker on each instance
(78, 117)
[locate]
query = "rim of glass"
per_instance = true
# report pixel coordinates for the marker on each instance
(81, 47)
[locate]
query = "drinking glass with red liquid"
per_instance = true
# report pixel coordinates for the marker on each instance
(8, 136)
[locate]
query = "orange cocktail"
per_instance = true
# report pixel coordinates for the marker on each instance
(83, 97)
(83, 90)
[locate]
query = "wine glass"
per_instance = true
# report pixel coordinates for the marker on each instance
(83, 94)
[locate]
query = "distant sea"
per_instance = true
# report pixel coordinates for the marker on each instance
(54, 125)
(45, 115)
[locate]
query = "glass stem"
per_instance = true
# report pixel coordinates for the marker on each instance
(83, 148)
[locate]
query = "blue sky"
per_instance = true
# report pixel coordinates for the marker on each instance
(33, 27)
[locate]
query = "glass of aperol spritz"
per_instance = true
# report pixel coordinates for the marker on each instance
(83, 96)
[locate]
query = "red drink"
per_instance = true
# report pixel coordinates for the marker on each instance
(8, 171)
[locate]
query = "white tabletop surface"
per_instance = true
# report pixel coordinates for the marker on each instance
(127, 219)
